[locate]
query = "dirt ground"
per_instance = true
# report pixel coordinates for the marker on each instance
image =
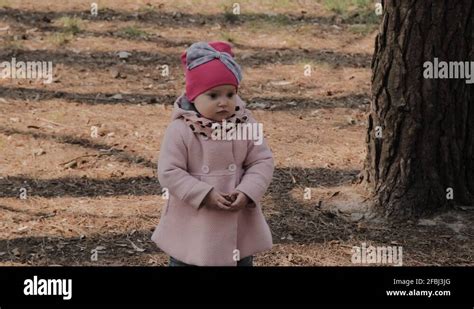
(86, 193)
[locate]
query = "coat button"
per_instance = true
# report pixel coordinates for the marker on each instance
(232, 167)
(205, 169)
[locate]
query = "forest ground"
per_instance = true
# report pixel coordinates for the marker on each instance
(102, 193)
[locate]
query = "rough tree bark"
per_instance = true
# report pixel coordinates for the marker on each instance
(427, 125)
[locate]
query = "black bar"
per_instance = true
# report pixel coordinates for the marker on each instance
(279, 285)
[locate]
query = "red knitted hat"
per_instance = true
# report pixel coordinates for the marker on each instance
(210, 73)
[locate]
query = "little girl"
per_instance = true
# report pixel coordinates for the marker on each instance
(213, 216)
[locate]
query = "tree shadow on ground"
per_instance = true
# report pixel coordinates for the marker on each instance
(355, 100)
(260, 56)
(64, 250)
(33, 18)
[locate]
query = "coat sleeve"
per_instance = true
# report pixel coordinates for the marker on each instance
(259, 167)
(172, 168)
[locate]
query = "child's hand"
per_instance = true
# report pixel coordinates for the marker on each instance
(239, 200)
(216, 200)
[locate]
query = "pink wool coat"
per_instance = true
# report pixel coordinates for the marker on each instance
(189, 166)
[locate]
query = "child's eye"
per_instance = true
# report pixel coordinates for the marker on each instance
(230, 95)
(213, 95)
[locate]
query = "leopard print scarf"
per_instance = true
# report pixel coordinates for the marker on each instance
(204, 126)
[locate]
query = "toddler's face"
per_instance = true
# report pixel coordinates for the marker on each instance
(217, 103)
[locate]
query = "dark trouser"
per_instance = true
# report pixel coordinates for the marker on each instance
(247, 261)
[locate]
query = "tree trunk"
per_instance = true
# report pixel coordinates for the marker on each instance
(426, 147)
